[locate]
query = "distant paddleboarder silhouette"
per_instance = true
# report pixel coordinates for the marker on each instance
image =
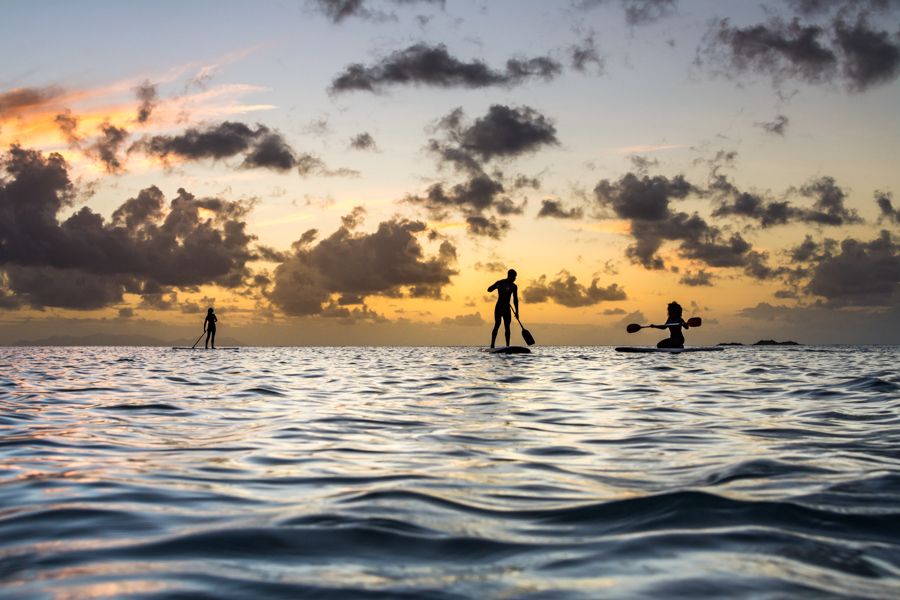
(506, 290)
(674, 323)
(209, 328)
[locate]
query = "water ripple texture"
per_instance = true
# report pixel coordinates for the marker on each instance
(449, 473)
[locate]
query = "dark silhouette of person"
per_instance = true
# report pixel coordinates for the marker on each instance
(674, 323)
(209, 327)
(506, 290)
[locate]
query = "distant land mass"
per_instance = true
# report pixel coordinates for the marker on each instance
(116, 339)
(762, 343)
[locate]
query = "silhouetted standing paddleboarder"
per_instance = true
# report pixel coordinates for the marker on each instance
(506, 290)
(209, 327)
(674, 323)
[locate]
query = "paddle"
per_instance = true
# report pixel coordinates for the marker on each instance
(204, 333)
(526, 335)
(692, 322)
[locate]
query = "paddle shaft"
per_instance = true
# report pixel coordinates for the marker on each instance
(198, 339)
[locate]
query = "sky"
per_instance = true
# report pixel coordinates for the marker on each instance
(361, 171)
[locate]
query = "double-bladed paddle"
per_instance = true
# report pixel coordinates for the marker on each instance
(692, 322)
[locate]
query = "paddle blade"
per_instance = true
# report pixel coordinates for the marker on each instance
(526, 335)
(694, 322)
(633, 328)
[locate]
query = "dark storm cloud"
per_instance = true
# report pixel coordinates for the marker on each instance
(192, 241)
(261, 148)
(363, 141)
(107, 145)
(885, 203)
(855, 272)
(14, 101)
(566, 290)
(637, 12)
(147, 94)
(641, 196)
(856, 55)
(389, 261)
(421, 64)
(554, 209)
(776, 126)
(697, 279)
(338, 10)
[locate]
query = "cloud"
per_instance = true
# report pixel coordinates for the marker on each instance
(870, 57)
(855, 272)
(857, 55)
(190, 242)
(106, 147)
(885, 203)
(261, 148)
(699, 278)
(68, 125)
(614, 311)
(387, 262)
(829, 206)
(645, 202)
(147, 94)
(338, 10)
(566, 290)
(471, 320)
(363, 141)
(776, 126)
(810, 8)
(778, 49)
(502, 133)
(585, 54)
(554, 209)
(19, 99)
(637, 12)
(422, 64)
(126, 313)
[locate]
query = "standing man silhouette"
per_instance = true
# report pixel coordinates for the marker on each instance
(209, 327)
(506, 289)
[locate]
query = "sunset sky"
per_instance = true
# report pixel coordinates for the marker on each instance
(360, 171)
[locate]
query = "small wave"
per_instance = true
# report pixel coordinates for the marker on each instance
(149, 406)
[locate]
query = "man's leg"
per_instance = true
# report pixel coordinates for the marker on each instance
(506, 319)
(496, 328)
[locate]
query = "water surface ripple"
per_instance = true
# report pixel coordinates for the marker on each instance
(448, 473)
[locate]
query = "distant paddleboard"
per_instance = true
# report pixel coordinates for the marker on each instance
(216, 348)
(645, 349)
(507, 350)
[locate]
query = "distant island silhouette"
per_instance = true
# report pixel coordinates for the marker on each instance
(762, 343)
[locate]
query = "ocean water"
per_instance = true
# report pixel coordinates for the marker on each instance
(448, 473)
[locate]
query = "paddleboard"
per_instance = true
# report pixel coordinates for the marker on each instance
(646, 349)
(217, 348)
(507, 350)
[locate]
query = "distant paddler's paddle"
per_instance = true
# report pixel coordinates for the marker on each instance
(526, 335)
(204, 333)
(692, 322)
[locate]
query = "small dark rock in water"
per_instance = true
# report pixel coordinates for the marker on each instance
(774, 343)
(729, 344)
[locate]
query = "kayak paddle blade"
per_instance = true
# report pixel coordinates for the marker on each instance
(633, 328)
(694, 322)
